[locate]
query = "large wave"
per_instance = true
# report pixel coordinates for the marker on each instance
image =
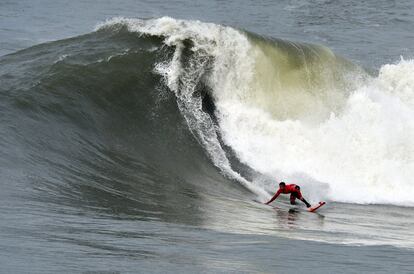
(290, 111)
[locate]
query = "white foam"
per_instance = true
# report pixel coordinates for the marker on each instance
(365, 154)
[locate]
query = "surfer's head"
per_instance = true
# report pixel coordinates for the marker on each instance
(282, 185)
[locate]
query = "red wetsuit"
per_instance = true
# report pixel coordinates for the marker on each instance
(294, 193)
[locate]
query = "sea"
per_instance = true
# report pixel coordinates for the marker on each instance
(144, 136)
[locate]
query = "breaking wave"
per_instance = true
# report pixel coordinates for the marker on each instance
(251, 109)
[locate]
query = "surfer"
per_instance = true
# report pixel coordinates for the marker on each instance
(294, 191)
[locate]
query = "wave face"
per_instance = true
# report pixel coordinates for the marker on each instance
(86, 121)
(172, 104)
(290, 111)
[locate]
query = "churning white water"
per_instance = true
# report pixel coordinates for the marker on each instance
(363, 154)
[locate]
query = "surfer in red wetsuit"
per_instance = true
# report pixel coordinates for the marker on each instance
(294, 191)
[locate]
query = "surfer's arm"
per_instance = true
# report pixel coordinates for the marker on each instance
(274, 197)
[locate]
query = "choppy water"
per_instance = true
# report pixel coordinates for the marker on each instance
(143, 145)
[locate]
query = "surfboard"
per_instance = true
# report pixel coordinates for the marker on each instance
(315, 207)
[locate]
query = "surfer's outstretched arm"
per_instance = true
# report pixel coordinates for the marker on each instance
(274, 197)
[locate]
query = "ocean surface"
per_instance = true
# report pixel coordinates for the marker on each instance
(144, 136)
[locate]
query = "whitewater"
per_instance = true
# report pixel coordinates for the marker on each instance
(293, 112)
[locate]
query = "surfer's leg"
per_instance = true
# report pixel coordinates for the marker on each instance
(293, 199)
(306, 202)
